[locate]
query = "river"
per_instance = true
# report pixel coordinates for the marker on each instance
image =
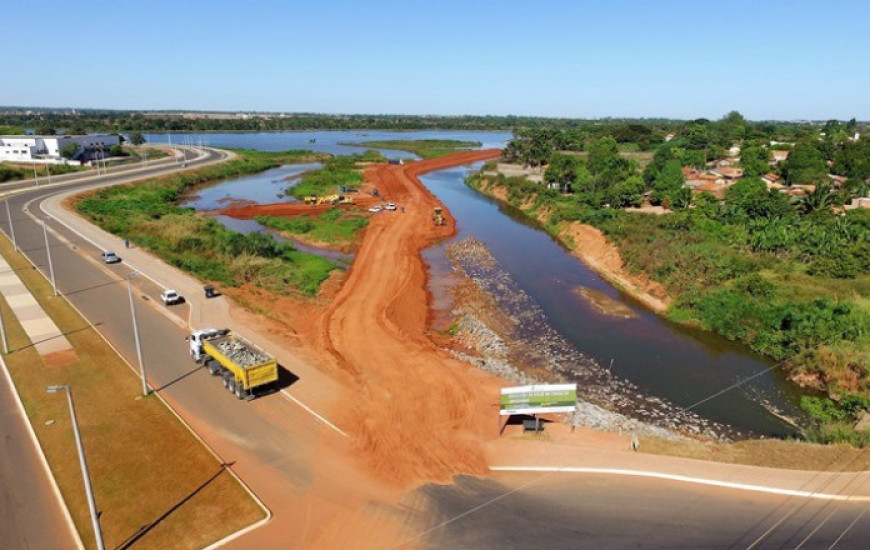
(663, 359)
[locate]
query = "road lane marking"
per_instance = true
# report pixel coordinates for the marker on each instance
(317, 416)
(686, 479)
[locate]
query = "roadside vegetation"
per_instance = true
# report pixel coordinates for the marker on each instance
(423, 148)
(338, 228)
(785, 272)
(152, 478)
(148, 214)
(15, 172)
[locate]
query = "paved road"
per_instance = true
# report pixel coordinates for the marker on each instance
(267, 440)
(30, 514)
(571, 511)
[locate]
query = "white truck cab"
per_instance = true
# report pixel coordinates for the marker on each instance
(196, 337)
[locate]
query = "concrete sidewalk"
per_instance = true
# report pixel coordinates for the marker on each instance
(40, 329)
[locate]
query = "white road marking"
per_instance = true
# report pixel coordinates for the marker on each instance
(686, 479)
(307, 408)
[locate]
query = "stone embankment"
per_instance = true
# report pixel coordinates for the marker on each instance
(504, 331)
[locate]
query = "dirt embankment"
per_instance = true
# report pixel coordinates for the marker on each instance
(591, 246)
(421, 415)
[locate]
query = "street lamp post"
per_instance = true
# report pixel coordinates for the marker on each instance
(11, 227)
(92, 504)
(48, 253)
(136, 334)
(3, 330)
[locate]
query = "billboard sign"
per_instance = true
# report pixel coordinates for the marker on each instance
(540, 398)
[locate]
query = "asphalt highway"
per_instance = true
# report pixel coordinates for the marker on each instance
(507, 511)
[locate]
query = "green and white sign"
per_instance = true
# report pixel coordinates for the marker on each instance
(540, 398)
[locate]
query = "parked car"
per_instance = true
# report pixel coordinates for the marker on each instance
(390, 206)
(375, 209)
(170, 297)
(110, 258)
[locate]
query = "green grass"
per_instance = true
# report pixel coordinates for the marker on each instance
(148, 214)
(424, 148)
(337, 227)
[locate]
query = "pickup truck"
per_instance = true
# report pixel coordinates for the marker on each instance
(243, 367)
(170, 297)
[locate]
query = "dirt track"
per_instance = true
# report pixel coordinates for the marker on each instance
(421, 415)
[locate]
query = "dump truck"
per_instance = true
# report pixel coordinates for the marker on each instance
(438, 216)
(244, 368)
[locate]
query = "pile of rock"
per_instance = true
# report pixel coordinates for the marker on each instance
(241, 354)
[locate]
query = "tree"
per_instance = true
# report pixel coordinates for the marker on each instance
(605, 163)
(69, 150)
(804, 164)
(668, 186)
(752, 197)
(136, 138)
(45, 130)
(754, 161)
(563, 171)
(11, 131)
(627, 193)
(116, 151)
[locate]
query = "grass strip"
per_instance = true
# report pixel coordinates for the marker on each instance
(155, 485)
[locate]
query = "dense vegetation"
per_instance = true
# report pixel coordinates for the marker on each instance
(336, 227)
(787, 275)
(423, 148)
(148, 214)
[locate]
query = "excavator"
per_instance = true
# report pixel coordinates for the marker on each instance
(438, 216)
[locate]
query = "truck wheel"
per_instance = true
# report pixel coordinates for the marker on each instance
(212, 366)
(240, 393)
(231, 385)
(226, 381)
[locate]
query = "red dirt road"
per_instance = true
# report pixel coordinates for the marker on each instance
(421, 415)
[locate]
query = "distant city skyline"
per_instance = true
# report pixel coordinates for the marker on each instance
(772, 60)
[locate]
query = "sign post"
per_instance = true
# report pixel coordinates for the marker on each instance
(537, 399)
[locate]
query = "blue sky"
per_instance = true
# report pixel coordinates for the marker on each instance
(768, 59)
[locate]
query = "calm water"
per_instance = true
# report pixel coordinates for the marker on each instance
(262, 188)
(664, 359)
(327, 141)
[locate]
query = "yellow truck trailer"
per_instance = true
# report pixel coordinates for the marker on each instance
(243, 367)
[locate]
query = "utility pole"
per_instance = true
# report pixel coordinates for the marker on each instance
(136, 334)
(11, 227)
(3, 330)
(48, 253)
(92, 503)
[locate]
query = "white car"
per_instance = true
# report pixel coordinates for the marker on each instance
(170, 297)
(375, 209)
(390, 206)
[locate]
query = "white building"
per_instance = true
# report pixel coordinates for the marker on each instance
(46, 149)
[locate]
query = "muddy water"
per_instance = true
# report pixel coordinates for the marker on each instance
(683, 366)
